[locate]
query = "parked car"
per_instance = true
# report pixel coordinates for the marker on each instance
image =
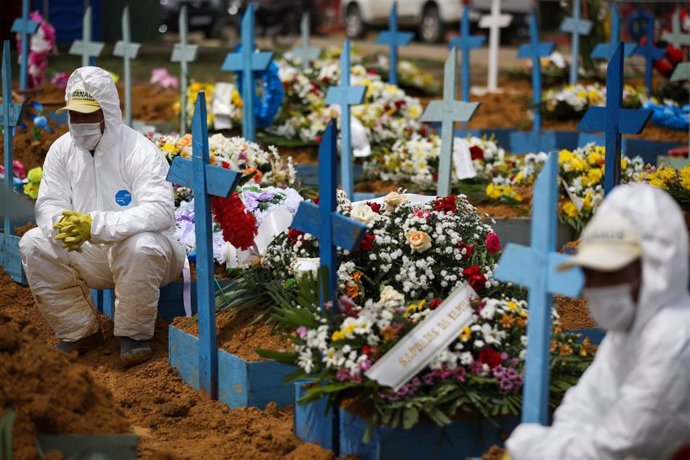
(430, 18)
(212, 17)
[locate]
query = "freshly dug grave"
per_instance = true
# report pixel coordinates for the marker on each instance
(48, 391)
(171, 419)
(240, 334)
(574, 313)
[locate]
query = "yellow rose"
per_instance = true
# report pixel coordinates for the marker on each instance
(419, 241)
(569, 209)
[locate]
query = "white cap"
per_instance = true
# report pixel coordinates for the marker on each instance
(608, 243)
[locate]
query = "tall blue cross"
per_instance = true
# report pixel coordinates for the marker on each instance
(393, 38)
(676, 37)
(128, 50)
(9, 117)
(205, 180)
(305, 52)
(466, 43)
(24, 27)
(332, 229)
(183, 53)
(535, 51)
(535, 268)
(247, 62)
(648, 51)
(614, 120)
(448, 111)
(606, 50)
(575, 26)
(345, 95)
(89, 50)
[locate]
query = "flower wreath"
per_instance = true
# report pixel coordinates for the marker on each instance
(266, 108)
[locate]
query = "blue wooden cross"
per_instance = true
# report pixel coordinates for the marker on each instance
(648, 51)
(676, 37)
(24, 27)
(535, 51)
(448, 111)
(606, 50)
(466, 43)
(247, 62)
(205, 180)
(88, 49)
(393, 38)
(183, 53)
(575, 26)
(128, 50)
(332, 229)
(345, 95)
(305, 52)
(614, 119)
(9, 117)
(535, 268)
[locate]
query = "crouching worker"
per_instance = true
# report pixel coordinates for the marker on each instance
(105, 218)
(634, 400)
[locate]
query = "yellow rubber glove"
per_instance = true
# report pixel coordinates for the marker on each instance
(74, 229)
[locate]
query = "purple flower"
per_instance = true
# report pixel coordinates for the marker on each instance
(302, 332)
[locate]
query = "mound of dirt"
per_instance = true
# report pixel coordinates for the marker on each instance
(48, 391)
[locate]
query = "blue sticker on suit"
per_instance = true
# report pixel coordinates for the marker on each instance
(123, 197)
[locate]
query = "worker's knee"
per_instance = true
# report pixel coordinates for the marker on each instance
(143, 246)
(34, 243)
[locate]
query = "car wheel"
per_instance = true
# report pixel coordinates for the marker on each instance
(354, 25)
(432, 28)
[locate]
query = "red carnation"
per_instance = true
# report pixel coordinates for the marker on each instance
(475, 277)
(238, 225)
(489, 356)
(469, 250)
(294, 234)
(446, 204)
(476, 152)
(367, 243)
(493, 243)
(433, 305)
(376, 207)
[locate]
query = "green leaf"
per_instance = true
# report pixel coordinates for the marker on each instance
(410, 417)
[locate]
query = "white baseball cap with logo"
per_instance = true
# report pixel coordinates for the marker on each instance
(608, 243)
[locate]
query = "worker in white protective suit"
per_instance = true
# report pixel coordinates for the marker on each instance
(105, 216)
(633, 402)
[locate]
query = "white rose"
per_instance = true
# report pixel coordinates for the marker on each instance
(364, 214)
(394, 199)
(390, 295)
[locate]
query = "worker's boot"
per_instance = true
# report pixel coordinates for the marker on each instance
(134, 352)
(82, 345)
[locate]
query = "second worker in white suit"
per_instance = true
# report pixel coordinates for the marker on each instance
(105, 216)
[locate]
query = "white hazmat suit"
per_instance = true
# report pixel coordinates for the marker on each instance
(634, 400)
(132, 247)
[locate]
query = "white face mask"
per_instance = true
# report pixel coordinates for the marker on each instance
(612, 307)
(86, 135)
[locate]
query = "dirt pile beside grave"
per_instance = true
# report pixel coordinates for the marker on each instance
(48, 391)
(239, 334)
(171, 418)
(30, 148)
(152, 104)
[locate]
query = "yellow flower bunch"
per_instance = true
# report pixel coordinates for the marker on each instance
(661, 176)
(497, 192)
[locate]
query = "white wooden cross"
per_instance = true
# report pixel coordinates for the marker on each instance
(676, 37)
(85, 47)
(495, 22)
(183, 53)
(127, 50)
(305, 51)
(681, 73)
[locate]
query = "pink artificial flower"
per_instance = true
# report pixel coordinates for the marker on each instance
(60, 79)
(161, 77)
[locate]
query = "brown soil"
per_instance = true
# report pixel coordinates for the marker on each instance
(509, 110)
(49, 392)
(300, 155)
(376, 186)
(239, 334)
(172, 420)
(31, 151)
(152, 104)
(574, 313)
(501, 210)
(495, 453)
(20, 231)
